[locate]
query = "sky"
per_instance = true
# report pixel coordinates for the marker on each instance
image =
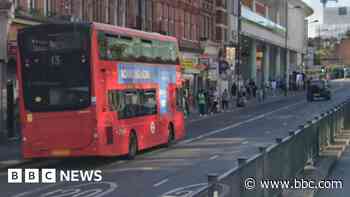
(317, 6)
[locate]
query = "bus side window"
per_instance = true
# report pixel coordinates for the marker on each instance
(130, 106)
(148, 102)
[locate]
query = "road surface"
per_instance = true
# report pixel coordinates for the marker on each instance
(212, 145)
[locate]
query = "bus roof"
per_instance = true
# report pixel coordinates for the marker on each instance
(133, 32)
(105, 27)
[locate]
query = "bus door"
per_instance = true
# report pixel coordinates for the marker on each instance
(150, 113)
(111, 116)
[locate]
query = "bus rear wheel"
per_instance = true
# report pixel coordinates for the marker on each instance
(133, 147)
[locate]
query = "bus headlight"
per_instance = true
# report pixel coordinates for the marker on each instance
(24, 139)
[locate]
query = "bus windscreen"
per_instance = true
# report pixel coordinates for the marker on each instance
(55, 69)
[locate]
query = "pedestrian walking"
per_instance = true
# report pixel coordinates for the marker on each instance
(254, 89)
(260, 94)
(273, 87)
(207, 102)
(225, 99)
(214, 106)
(247, 91)
(201, 103)
(233, 90)
(186, 102)
(304, 81)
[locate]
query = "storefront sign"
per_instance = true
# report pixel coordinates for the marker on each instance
(187, 63)
(253, 17)
(191, 71)
(204, 61)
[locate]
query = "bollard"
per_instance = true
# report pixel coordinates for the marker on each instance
(342, 117)
(346, 116)
(318, 118)
(331, 124)
(291, 133)
(241, 161)
(279, 140)
(262, 149)
(337, 126)
(213, 180)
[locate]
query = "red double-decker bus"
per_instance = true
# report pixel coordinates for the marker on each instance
(97, 90)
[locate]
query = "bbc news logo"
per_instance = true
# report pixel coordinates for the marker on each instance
(52, 175)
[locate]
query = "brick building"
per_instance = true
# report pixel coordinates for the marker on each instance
(342, 53)
(199, 25)
(221, 20)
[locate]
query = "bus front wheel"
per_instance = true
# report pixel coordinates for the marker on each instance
(133, 147)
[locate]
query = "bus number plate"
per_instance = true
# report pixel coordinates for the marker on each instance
(61, 152)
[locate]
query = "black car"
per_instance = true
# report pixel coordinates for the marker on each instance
(318, 89)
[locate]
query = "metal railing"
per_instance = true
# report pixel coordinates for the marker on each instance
(283, 160)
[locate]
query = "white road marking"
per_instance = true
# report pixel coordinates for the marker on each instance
(245, 142)
(160, 182)
(238, 124)
(129, 169)
(11, 162)
(66, 190)
(36, 190)
(121, 162)
(213, 157)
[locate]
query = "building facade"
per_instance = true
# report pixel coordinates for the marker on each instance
(342, 50)
(206, 30)
(200, 26)
(273, 39)
(336, 22)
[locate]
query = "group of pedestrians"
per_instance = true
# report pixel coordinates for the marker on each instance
(211, 101)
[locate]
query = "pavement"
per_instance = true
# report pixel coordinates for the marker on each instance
(212, 145)
(323, 165)
(194, 116)
(341, 171)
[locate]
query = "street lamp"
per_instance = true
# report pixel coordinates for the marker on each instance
(307, 59)
(287, 8)
(238, 13)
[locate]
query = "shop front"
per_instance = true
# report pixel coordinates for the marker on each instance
(16, 25)
(194, 75)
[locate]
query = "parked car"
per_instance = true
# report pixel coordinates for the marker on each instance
(318, 89)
